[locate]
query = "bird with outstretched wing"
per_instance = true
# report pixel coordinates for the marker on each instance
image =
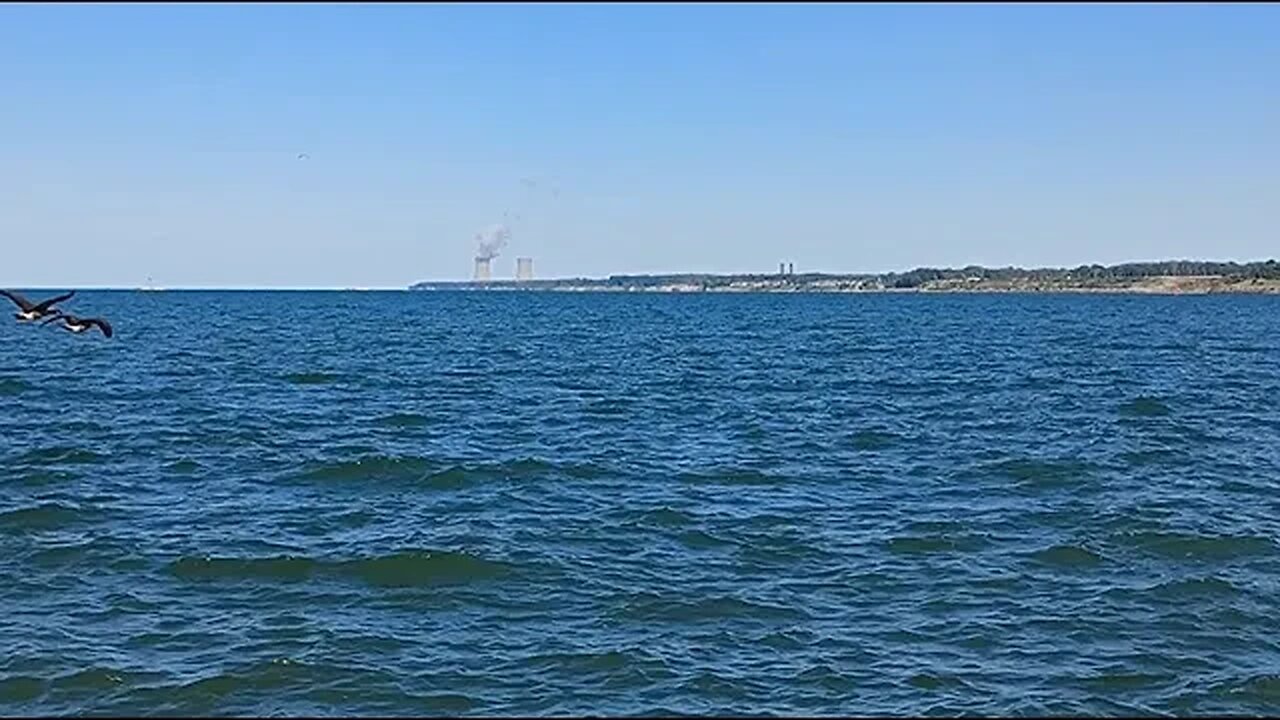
(78, 325)
(30, 312)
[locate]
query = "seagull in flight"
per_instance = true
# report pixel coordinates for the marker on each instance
(78, 325)
(30, 312)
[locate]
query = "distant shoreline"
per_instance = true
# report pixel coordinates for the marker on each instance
(1155, 288)
(1169, 278)
(1166, 278)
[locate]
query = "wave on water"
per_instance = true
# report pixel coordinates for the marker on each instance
(281, 674)
(933, 681)
(45, 476)
(60, 455)
(669, 517)
(424, 567)
(1263, 687)
(1117, 679)
(665, 517)
(21, 688)
(403, 569)
(218, 568)
(1034, 474)
(309, 685)
(442, 474)
(1193, 546)
(651, 607)
(869, 440)
(313, 378)
(454, 478)
(785, 640)
(1179, 590)
(702, 540)
(10, 387)
(44, 516)
(593, 663)
(374, 467)
(926, 544)
(732, 476)
(609, 407)
(403, 420)
(97, 679)
(1154, 456)
(1145, 406)
(184, 467)
(1074, 556)
(97, 551)
(823, 677)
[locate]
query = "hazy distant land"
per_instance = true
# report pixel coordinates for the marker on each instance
(1171, 277)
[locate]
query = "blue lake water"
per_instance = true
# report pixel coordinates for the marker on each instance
(499, 503)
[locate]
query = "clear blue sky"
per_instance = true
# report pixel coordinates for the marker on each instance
(162, 141)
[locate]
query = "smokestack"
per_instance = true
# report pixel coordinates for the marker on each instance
(524, 268)
(782, 268)
(489, 241)
(791, 268)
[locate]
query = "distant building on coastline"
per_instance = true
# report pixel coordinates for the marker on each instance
(524, 268)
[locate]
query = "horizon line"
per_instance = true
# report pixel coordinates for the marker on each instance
(470, 281)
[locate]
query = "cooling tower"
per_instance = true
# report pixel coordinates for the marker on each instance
(524, 268)
(791, 268)
(482, 269)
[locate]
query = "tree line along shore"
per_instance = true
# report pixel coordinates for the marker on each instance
(1173, 277)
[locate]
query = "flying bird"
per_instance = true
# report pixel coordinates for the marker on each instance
(303, 156)
(78, 325)
(31, 312)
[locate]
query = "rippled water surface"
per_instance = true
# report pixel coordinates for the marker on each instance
(472, 503)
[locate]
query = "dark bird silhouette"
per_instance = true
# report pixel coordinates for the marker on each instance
(78, 325)
(30, 312)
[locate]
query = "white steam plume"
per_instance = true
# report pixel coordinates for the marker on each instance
(490, 240)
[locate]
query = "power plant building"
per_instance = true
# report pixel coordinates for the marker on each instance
(524, 268)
